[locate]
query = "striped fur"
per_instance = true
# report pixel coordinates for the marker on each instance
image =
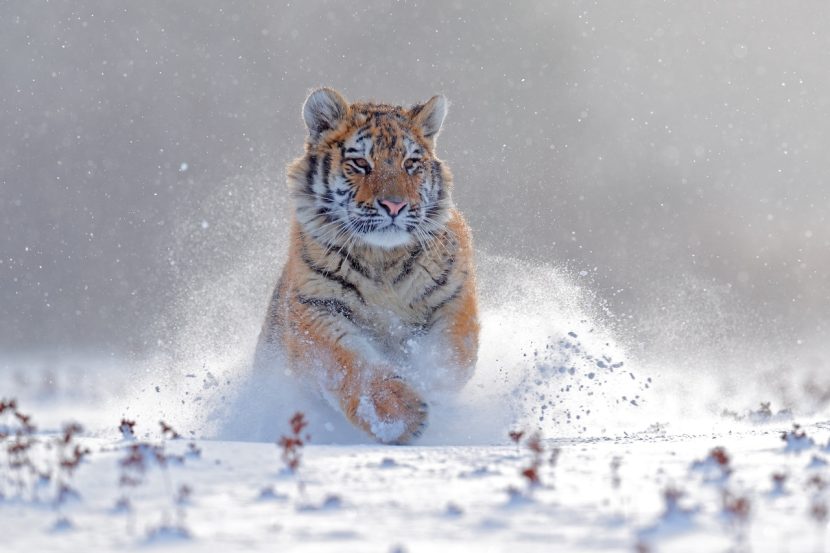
(375, 309)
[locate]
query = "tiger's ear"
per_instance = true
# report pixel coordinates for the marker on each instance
(430, 116)
(323, 110)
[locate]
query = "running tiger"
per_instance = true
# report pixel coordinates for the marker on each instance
(376, 304)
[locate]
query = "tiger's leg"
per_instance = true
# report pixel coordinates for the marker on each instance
(454, 338)
(354, 375)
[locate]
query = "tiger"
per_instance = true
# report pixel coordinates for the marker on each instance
(376, 303)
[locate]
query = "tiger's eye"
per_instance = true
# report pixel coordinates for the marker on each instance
(360, 162)
(408, 164)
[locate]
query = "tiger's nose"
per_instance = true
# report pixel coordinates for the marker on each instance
(393, 205)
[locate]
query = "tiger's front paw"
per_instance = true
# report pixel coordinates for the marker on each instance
(392, 411)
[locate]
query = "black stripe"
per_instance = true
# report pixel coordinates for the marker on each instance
(394, 141)
(326, 168)
(330, 305)
(407, 266)
(345, 284)
(439, 282)
(434, 309)
(309, 176)
(432, 210)
(355, 265)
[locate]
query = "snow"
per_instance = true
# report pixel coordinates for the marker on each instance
(437, 498)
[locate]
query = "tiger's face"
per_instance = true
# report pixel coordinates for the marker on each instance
(370, 176)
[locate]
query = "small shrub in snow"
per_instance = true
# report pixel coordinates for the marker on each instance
(531, 473)
(716, 467)
(736, 507)
(292, 445)
(133, 467)
(516, 438)
(168, 432)
(779, 479)
(127, 429)
(615, 472)
(38, 465)
(817, 482)
(554, 456)
(70, 456)
(193, 451)
(138, 459)
(672, 510)
(17, 437)
(796, 440)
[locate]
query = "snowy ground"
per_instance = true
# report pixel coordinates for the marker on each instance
(651, 491)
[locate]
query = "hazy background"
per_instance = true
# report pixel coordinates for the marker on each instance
(672, 155)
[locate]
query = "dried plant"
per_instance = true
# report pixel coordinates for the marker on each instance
(168, 432)
(797, 440)
(23, 478)
(616, 462)
(736, 507)
(193, 451)
(531, 473)
(779, 479)
(70, 456)
(133, 467)
(554, 456)
(127, 429)
(817, 482)
(720, 457)
(138, 459)
(292, 445)
(716, 466)
(516, 438)
(671, 501)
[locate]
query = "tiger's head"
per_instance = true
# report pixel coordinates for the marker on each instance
(369, 175)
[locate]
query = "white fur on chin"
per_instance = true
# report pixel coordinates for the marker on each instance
(387, 239)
